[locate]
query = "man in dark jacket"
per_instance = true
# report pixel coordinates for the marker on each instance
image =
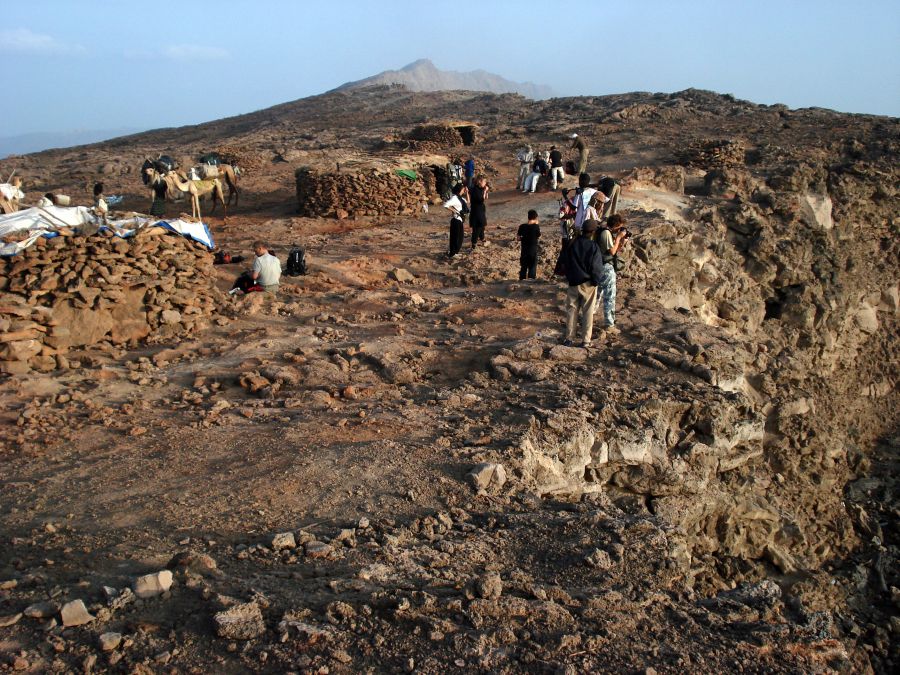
(584, 272)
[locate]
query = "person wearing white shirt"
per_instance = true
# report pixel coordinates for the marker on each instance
(266, 268)
(526, 158)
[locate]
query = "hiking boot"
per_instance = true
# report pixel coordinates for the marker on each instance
(567, 343)
(611, 330)
(586, 344)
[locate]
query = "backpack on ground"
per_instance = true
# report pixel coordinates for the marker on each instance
(296, 262)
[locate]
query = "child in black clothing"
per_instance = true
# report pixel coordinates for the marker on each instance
(528, 234)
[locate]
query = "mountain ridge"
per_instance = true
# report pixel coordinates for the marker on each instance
(423, 75)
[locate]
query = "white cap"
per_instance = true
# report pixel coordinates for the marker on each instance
(574, 136)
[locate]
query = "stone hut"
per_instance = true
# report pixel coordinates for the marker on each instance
(431, 137)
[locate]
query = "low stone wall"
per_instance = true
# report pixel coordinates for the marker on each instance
(78, 291)
(363, 193)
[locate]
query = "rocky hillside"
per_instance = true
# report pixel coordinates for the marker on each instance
(395, 466)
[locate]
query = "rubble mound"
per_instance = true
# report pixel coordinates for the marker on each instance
(77, 291)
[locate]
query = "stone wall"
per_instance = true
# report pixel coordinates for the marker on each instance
(440, 137)
(78, 291)
(370, 192)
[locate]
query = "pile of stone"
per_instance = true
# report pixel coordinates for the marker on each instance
(714, 154)
(78, 291)
(244, 158)
(370, 192)
(437, 135)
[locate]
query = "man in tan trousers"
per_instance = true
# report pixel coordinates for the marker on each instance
(578, 144)
(584, 271)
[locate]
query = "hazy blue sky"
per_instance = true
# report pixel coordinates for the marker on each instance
(109, 65)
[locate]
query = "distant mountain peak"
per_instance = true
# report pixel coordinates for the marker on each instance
(418, 64)
(423, 75)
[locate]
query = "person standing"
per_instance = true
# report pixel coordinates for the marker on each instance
(470, 171)
(609, 186)
(478, 218)
(528, 234)
(459, 208)
(579, 145)
(581, 202)
(584, 272)
(557, 173)
(266, 268)
(525, 155)
(100, 206)
(610, 240)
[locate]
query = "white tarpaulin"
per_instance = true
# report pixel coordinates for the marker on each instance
(46, 221)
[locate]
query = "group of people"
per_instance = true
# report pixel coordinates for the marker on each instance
(472, 203)
(593, 233)
(533, 165)
(589, 262)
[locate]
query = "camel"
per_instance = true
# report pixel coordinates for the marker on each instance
(227, 171)
(195, 188)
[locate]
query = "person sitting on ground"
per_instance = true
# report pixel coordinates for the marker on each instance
(528, 234)
(584, 271)
(557, 173)
(539, 169)
(610, 239)
(266, 268)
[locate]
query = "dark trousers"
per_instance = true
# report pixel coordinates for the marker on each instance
(477, 234)
(528, 261)
(456, 236)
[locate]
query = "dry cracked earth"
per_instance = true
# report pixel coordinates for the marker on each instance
(394, 466)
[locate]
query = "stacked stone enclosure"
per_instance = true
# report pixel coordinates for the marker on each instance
(366, 192)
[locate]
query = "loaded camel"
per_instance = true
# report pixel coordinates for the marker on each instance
(228, 172)
(176, 182)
